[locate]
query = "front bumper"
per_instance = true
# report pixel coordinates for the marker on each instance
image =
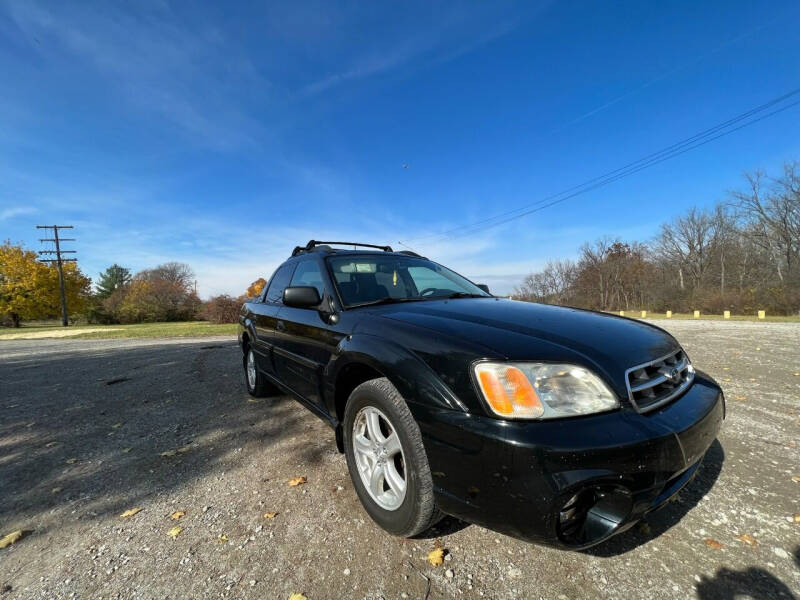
(530, 479)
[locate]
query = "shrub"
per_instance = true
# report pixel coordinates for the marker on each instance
(221, 309)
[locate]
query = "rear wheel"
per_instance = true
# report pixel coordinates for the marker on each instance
(387, 461)
(257, 383)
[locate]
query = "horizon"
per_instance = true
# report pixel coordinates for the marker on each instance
(223, 139)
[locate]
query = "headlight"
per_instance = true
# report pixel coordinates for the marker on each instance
(542, 390)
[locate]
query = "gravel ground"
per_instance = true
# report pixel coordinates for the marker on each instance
(84, 424)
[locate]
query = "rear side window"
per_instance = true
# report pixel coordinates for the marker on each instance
(308, 273)
(278, 283)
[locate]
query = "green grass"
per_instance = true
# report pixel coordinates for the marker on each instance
(637, 314)
(142, 330)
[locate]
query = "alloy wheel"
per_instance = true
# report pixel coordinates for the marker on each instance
(379, 457)
(251, 369)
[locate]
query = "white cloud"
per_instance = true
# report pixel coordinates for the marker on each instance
(16, 211)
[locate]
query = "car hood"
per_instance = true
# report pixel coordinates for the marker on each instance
(528, 331)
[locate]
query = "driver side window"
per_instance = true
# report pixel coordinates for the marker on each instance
(308, 273)
(278, 283)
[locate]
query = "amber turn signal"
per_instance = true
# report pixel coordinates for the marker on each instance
(508, 392)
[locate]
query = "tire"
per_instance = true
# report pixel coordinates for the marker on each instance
(257, 383)
(415, 511)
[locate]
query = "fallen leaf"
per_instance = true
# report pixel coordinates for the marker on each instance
(222, 539)
(297, 597)
(117, 425)
(298, 481)
(72, 461)
(50, 444)
(713, 544)
(740, 398)
(184, 449)
(254, 400)
(11, 538)
(796, 517)
(130, 512)
(753, 379)
(173, 533)
(169, 453)
(797, 374)
(126, 450)
(177, 515)
(270, 515)
(747, 539)
(796, 478)
(436, 557)
(55, 490)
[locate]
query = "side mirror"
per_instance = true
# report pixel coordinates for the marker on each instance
(484, 287)
(301, 296)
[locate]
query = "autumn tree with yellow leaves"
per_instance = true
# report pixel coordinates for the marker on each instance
(256, 288)
(29, 288)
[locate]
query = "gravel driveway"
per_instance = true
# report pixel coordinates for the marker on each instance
(92, 428)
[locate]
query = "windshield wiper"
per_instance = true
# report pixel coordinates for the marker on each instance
(466, 295)
(386, 300)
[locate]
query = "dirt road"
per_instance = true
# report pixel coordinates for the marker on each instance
(92, 428)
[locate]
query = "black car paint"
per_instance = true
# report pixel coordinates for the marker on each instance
(510, 476)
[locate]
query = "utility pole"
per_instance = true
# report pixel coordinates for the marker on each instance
(58, 260)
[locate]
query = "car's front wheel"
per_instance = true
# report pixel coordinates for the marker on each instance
(257, 383)
(387, 461)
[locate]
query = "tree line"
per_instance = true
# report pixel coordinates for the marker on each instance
(29, 290)
(741, 255)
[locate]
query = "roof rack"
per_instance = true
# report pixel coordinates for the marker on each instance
(314, 244)
(411, 253)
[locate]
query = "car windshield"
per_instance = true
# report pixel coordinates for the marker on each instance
(372, 279)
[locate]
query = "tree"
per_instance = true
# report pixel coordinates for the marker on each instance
(112, 279)
(256, 288)
(165, 293)
(29, 289)
(222, 309)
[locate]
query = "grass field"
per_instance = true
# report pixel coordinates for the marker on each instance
(637, 314)
(142, 330)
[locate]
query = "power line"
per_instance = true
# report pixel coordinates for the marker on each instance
(59, 261)
(671, 151)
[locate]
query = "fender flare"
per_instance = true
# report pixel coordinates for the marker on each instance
(413, 378)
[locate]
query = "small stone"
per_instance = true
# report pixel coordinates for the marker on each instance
(346, 571)
(448, 557)
(780, 552)
(404, 595)
(253, 582)
(449, 574)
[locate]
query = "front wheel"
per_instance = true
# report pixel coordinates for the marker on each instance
(387, 461)
(257, 383)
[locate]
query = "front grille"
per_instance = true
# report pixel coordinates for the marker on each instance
(655, 383)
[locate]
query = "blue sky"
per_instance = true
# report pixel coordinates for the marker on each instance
(224, 135)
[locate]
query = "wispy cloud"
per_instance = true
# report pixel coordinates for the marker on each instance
(154, 61)
(16, 211)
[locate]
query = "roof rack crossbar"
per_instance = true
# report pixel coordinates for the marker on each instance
(313, 243)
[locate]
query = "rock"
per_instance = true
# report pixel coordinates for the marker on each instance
(449, 574)
(253, 582)
(346, 571)
(448, 557)
(780, 552)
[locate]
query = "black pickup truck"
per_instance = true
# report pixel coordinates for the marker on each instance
(552, 424)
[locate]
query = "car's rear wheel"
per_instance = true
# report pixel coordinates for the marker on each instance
(257, 383)
(387, 461)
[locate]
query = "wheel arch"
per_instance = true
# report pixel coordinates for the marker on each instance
(366, 357)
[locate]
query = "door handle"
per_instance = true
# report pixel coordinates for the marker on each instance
(280, 326)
